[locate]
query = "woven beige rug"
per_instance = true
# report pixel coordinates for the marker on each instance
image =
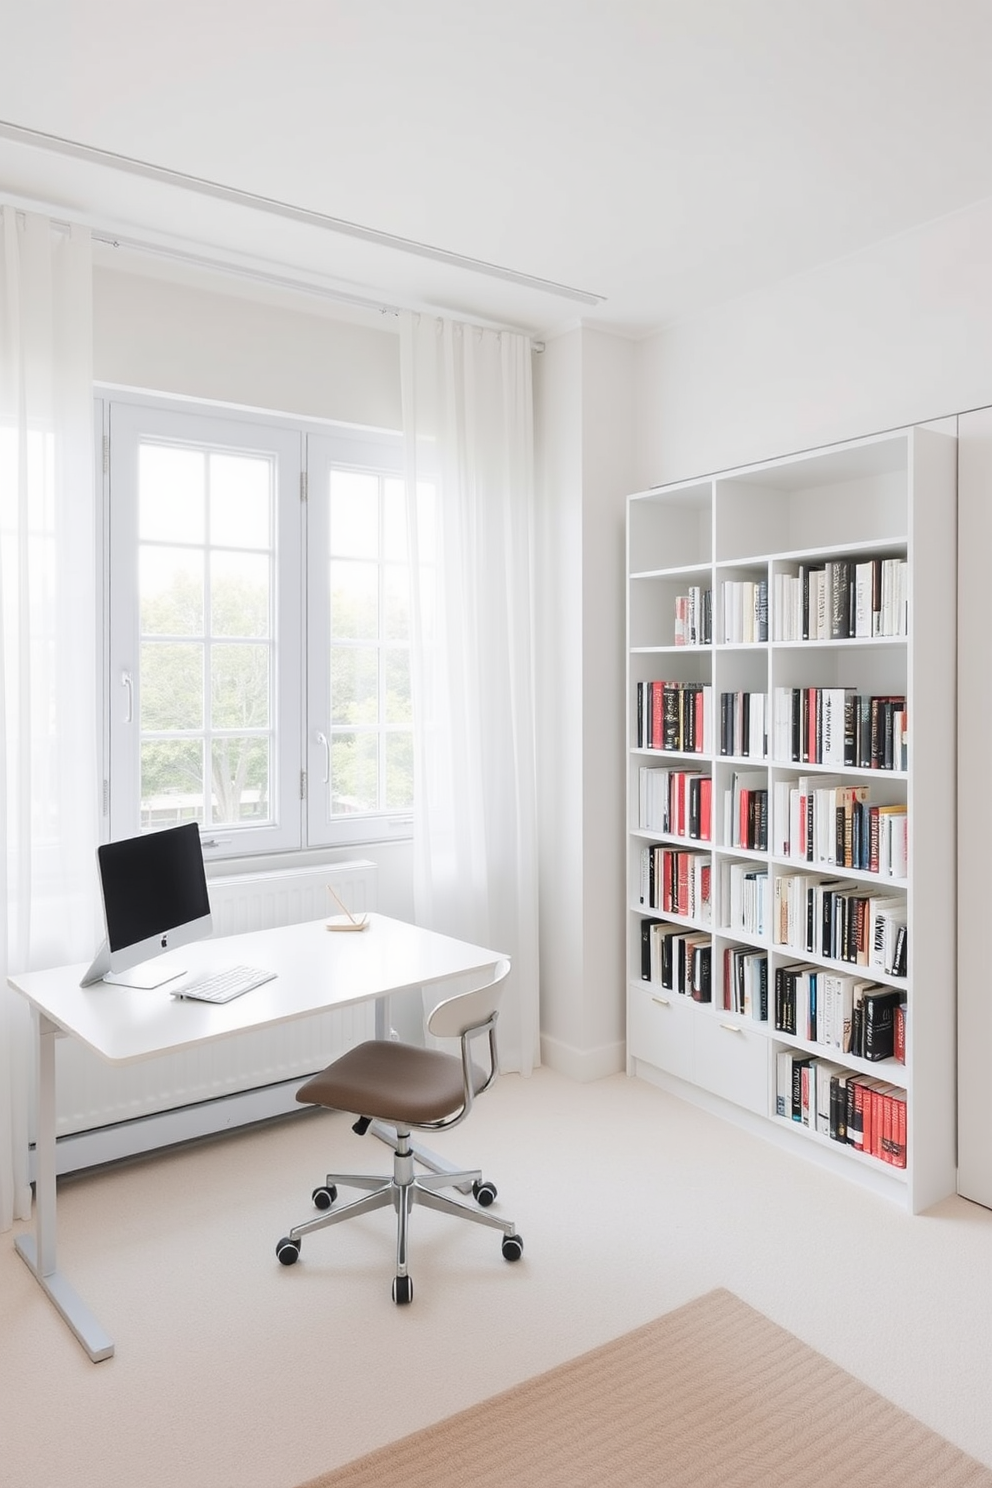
(713, 1395)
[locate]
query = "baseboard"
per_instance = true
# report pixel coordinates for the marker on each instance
(583, 1064)
(121, 1139)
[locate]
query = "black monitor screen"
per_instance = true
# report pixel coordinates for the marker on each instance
(152, 884)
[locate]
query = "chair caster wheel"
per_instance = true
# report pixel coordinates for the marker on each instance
(288, 1251)
(324, 1196)
(484, 1192)
(513, 1247)
(402, 1289)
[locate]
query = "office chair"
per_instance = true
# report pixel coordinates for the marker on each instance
(410, 1088)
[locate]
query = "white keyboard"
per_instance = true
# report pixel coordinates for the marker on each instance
(222, 986)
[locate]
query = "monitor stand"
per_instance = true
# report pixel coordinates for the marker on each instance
(147, 974)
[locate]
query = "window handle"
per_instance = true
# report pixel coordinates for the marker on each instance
(128, 682)
(323, 739)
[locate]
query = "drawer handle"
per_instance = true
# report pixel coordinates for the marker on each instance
(732, 1027)
(661, 1001)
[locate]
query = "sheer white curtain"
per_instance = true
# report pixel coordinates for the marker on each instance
(468, 425)
(48, 652)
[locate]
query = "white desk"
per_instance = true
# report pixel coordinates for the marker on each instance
(315, 970)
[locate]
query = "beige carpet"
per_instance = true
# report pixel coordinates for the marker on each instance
(712, 1395)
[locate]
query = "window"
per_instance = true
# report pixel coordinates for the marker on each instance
(258, 658)
(358, 641)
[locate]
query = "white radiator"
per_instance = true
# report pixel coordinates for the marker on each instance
(107, 1111)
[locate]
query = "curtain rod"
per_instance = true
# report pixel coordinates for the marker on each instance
(290, 282)
(272, 206)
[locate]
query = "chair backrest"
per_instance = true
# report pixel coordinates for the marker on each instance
(472, 1009)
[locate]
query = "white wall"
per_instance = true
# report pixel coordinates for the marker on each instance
(898, 334)
(173, 337)
(584, 419)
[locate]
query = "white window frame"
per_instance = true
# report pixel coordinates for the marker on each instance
(306, 452)
(129, 423)
(375, 453)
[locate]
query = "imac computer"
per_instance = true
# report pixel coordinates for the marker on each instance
(154, 900)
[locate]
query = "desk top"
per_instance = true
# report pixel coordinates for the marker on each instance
(315, 970)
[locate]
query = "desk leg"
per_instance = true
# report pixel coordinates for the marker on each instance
(38, 1251)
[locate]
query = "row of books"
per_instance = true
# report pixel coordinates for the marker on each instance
(809, 725)
(745, 811)
(745, 982)
(825, 819)
(819, 819)
(694, 617)
(677, 959)
(676, 801)
(744, 897)
(841, 921)
(841, 599)
(861, 1111)
(677, 881)
(742, 724)
(674, 715)
(744, 607)
(840, 726)
(854, 1015)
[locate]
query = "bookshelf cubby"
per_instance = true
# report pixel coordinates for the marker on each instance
(830, 854)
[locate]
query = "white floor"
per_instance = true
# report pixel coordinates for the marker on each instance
(234, 1372)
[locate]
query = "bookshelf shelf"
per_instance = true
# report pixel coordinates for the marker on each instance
(827, 583)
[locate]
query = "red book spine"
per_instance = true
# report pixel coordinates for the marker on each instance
(868, 1122)
(706, 808)
(657, 714)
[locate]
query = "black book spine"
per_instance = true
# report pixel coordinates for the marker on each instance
(646, 948)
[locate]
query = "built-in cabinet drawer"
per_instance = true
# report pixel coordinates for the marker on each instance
(732, 1060)
(718, 1052)
(660, 1031)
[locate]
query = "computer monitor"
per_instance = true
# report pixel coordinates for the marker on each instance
(154, 900)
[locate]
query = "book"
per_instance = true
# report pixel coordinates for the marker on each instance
(879, 1022)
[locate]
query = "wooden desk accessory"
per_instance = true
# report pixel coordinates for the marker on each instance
(351, 923)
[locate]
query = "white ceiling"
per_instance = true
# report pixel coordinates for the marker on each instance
(664, 155)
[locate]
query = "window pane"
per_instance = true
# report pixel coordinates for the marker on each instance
(171, 484)
(399, 772)
(354, 514)
(239, 780)
(354, 601)
(354, 773)
(355, 685)
(171, 686)
(171, 591)
(397, 707)
(240, 506)
(396, 607)
(239, 594)
(394, 521)
(171, 782)
(239, 687)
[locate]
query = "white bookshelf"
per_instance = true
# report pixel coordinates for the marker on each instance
(891, 498)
